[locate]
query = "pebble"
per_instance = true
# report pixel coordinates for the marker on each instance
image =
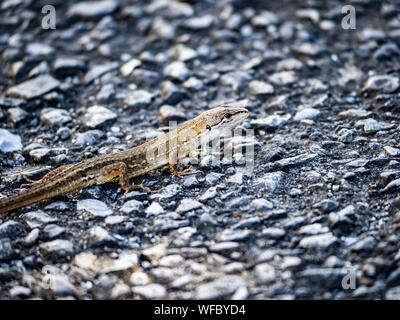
(320, 242)
(155, 209)
(95, 207)
(52, 231)
(296, 160)
(153, 291)
(382, 83)
(93, 9)
(55, 117)
(188, 205)
(132, 206)
(257, 88)
(261, 205)
(183, 53)
(65, 67)
(138, 98)
(307, 113)
(36, 219)
(199, 23)
(127, 260)
(9, 142)
(223, 287)
(57, 249)
(171, 94)
(127, 68)
(283, 78)
(17, 115)
(371, 126)
(264, 18)
(271, 122)
(97, 116)
(265, 273)
(177, 70)
(34, 88)
(19, 291)
(392, 152)
(88, 138)
(6, 250)
(97, 71)
(271, 181)
(32, 237)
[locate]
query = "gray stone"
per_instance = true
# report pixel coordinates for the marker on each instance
(34, 88)
(93, 9)
(151, 291)
(321, 241)
(17, 115)
(57, 249)
(199, 23)
(257, 88)
(132, 206)
(99, 70)
(154, 209)
(36, 219)
(307, 113)
(55, 117)
(382, 83)
(95, 207)
(223, 287)
(177, 70)
(188, 205)
(97, 116)
(9, 142)
(138, 98)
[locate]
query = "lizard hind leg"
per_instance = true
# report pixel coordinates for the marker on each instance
(119, 170)
(48, 176)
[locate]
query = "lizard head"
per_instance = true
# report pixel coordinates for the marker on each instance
(224, 117)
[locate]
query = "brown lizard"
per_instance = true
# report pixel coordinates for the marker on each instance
(134, 162)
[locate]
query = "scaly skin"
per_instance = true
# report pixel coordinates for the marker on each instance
(134, 162)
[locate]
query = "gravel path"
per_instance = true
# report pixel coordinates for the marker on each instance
(315, 219)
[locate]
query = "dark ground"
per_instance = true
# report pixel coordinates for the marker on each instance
(317, 207)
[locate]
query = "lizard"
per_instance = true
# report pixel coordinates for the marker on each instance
(134, 162)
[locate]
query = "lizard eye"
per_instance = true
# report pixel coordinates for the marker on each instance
(208, 127)
(228, 115)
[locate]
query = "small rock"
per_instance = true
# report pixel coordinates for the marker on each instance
(98, 71)
(132, 206)
(154, 210)
(222, 287)
(93, 9)
(257, 88)
(95, 207)
(55, 117)
(151, 291)
(34, 88)
(9, 142)
(57, 249)
(199, 23)
(177, 70)
(382, 83)
(64, 67)
(16, 115)
(371, 126)
(36, 219)
(307, 113)
(97, 116)
(138, 99)
(321, 241)
(188, 205)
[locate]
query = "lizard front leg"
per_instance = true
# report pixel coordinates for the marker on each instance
(173, 165)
